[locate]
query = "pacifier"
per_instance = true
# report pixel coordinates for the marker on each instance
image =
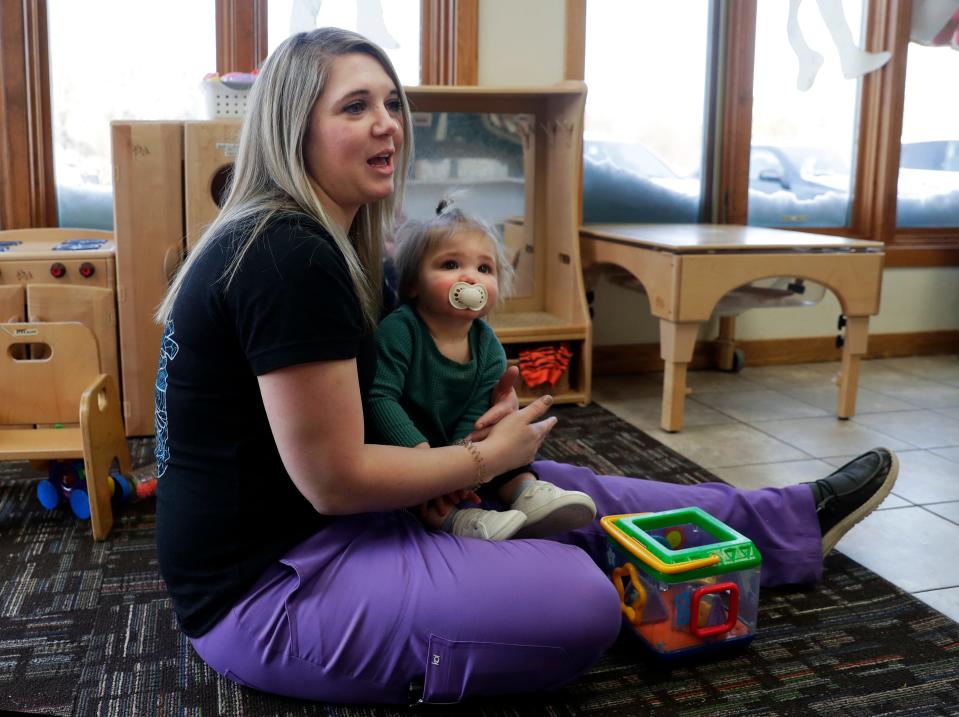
(467, 296)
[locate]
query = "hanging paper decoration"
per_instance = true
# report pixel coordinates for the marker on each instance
(854, 61)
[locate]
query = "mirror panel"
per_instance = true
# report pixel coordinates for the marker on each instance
(480, 159)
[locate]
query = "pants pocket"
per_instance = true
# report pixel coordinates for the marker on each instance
(456, 670)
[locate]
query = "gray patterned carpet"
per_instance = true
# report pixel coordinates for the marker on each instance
(86, 628)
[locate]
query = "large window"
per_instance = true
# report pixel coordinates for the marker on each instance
(818, 115)
(804, 119)
(394, 25)
(118, 67)
(928, 188)
(646, 65)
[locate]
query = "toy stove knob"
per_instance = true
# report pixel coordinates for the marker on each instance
(87, 270)
(57, 270)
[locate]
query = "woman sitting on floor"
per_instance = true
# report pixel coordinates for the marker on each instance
(282, 537)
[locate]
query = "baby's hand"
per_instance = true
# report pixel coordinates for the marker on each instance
(442, 505)
(503, 401)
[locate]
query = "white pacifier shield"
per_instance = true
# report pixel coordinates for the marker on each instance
(467, 296)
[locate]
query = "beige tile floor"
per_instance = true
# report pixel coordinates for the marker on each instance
(775, 425)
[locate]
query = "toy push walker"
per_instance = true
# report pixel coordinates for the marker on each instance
(687, 582)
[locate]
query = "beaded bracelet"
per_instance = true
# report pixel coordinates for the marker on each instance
(478, 459)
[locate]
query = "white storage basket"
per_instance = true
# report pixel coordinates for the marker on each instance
(224, 99)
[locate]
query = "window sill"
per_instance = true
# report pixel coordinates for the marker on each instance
(922, 250)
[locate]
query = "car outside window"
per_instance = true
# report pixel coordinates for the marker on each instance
(643, 141)
(928, 184)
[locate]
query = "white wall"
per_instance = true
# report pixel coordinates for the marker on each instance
(521, 42)
(912, 300)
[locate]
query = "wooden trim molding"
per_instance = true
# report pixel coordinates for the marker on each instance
(449, 42)
(27, 187)
(916, 255)
(466, 60)
(645, 358)
(241, 35)
(575, 40)
(737, 48)
(880, 132)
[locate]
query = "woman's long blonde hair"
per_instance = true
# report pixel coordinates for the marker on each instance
(270, 177)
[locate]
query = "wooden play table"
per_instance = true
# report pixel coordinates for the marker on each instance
(686, 269)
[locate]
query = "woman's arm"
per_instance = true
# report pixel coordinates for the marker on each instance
(316, 415)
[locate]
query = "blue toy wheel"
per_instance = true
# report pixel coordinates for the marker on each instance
(47, 494)
(123, 491)
(80, 503)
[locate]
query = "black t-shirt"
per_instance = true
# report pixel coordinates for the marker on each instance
(226, 507)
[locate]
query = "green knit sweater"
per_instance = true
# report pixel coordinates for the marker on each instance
(419, 394)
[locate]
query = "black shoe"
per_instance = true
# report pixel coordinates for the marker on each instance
(848, 495)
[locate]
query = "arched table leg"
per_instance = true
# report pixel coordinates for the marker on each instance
(727, 342)
(676, 343)
(857, 336)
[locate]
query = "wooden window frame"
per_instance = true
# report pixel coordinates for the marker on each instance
(28, 194)
(241, 37)
(449, 42)
(449, 39)
(729, 128)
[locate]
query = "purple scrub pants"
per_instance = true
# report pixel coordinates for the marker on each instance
(374, 601)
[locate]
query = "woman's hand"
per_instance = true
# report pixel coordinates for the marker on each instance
(516, 437)
(503, 401)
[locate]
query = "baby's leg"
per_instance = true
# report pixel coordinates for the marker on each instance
(430, 516)
(472, 522)
(510, 490)
(549, 510)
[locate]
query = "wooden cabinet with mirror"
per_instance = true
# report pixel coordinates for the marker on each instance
(512, 156)
(515, 153)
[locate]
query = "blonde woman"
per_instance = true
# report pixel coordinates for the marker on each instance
(280, 532)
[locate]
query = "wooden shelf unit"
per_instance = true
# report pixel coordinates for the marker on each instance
(556, 309)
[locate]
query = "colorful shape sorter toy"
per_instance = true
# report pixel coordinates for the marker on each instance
(687, 582)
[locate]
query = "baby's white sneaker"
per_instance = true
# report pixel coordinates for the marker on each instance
(551, 510)
(486, 524)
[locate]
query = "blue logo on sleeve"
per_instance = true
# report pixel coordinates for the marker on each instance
(168, 350)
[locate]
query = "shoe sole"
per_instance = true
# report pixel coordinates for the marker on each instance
(561, 519)
(835, 534)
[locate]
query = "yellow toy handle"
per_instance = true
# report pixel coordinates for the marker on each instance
(634, 612)
(640, 551)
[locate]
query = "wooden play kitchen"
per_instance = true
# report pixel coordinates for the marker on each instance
(685, 269)
(62, 275)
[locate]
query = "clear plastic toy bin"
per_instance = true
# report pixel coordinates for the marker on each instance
(687, 582)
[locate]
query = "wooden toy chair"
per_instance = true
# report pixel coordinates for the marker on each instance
(50, 374)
